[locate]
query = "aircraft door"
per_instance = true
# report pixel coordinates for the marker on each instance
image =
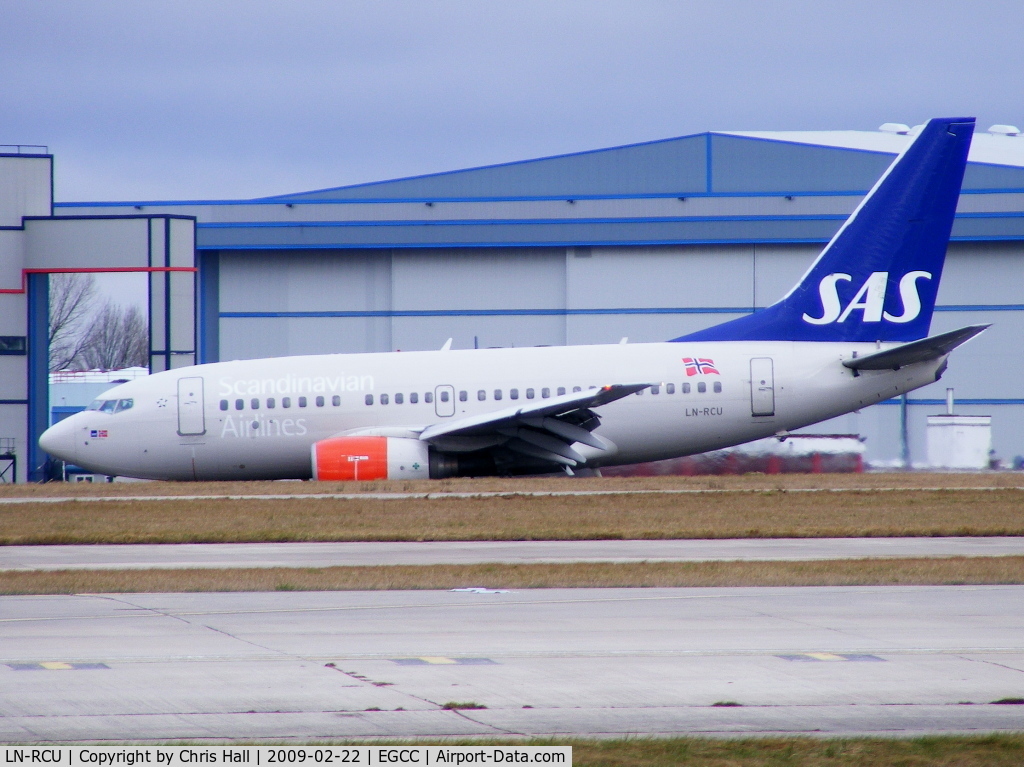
(191, 419)
(762, 386)
(444, 401)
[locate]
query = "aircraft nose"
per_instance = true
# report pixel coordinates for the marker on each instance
(59, 441)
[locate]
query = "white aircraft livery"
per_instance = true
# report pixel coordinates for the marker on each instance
(853, 332)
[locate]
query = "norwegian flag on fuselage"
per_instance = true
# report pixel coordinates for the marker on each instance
(699, 366)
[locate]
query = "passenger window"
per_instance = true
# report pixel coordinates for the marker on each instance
(444, 396)
(384, 399)
(640, 393)
(239, 404)
(513, 393)
(369, 399)
(481, 395)
(545, 392)
(576, 389)
(319, 401)
(271, 403)
(561, 390)
(686, 388)
(223, 405)
(718, 387)
(497, 394)
(529, 394)
(108, 406)
(336, 401)
(414, 398)
(670, 388)
(399, 399)
(286, 401)
(702, 387)
(302, 401)
(463, 396)
(428, 397)
(655, 390)
(254, 403)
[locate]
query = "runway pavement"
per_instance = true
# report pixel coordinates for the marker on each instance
(114, 557)
(598, 662)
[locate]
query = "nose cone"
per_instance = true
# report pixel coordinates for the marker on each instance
(59, 441)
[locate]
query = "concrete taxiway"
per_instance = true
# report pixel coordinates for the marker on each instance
(228, 555)
(584, 661)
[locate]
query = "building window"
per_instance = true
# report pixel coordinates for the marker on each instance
(368, 399)
(384, 399)
(223, 404)
(319, 401)
(497, 394)
(702, 387)
(286, 401)
(239, 404)
(670, 388)
(302, 401)
(336, 400)
(12, 345)
(414, 398)
(718, 387)
(481, 395)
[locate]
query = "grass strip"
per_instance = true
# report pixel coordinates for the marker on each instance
(845, 572)
(754, 513)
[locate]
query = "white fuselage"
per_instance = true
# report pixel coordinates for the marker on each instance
(227, 420)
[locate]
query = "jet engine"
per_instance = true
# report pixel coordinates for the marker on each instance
(367, 458)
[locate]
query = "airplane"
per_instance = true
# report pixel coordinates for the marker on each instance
(851, 333)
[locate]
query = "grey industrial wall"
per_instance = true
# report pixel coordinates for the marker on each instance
(417, 298)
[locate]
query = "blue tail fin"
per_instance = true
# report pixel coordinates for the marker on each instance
(878, 277)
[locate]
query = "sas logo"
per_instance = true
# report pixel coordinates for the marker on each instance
(699, 366)
(870, 299)
(98, 433)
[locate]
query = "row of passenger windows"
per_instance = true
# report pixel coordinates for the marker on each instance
(545, 392)
(286, 402)
(428, 397)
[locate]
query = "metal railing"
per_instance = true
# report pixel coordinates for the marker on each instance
(20, 149)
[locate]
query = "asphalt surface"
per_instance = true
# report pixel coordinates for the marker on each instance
(212, 555)
(589, 662)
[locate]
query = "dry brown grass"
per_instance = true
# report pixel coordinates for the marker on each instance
(739, 514)
(850, 572)
(531, 484)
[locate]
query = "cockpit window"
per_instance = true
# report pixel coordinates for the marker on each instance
(124, 404)
(96, 404)
(111, 405)
(108, 406)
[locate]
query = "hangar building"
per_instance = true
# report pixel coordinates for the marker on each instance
(646, 241)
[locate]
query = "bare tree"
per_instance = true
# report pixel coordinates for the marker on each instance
(116, 338)
(71, 303)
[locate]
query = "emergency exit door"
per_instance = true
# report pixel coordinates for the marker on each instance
(762, 386)
(191, 420)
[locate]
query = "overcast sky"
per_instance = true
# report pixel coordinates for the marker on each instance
(204, 99)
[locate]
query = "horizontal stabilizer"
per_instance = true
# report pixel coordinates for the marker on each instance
(916, 351)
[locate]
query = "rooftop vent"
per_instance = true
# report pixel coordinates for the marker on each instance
(900, 128)
(1004, 130)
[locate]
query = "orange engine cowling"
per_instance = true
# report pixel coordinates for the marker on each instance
(366, 458)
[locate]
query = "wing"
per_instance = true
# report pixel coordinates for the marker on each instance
(541, 431)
